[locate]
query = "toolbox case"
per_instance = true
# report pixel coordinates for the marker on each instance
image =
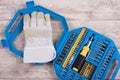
(96, 65)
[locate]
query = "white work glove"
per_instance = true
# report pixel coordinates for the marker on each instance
(39, 46)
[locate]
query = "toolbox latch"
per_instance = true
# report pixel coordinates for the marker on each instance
(4, 43)
(30, 4)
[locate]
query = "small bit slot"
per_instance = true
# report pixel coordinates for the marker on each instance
(111, 70)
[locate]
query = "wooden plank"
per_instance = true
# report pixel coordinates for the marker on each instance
(83, 10)
(85, 15)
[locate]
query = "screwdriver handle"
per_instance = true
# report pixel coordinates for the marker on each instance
(78, 63)
(80, 59)
(84, 51)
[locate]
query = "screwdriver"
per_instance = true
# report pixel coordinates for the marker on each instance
(81, 57)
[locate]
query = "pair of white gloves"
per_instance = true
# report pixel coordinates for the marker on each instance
(39, 46)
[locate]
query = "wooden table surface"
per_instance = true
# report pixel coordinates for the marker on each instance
(102, 16)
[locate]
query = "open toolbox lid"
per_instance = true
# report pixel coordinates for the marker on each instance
(13, 30)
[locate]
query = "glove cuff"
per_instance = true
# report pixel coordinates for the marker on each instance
(39, 54)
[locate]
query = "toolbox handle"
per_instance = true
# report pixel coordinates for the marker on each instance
(116, 68)
(113, 67)
(11, 36)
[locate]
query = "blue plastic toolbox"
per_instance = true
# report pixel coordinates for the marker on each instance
(84, 54)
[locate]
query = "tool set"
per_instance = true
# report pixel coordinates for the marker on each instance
(89, 57)
(82, 54)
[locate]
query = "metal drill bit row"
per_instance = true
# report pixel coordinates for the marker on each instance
(66, 48)
(98, 50)
(70, 75)
(105, 64)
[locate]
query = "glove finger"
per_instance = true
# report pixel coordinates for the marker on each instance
(26, 21)
(48, 21)
(40, 19)
(33, 19)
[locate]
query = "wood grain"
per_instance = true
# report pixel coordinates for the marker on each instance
(102, 16)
